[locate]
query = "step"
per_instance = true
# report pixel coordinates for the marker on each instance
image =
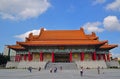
(65, 66)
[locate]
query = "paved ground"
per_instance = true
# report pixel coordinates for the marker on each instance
(64, 74)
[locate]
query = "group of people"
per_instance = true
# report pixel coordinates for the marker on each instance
(30, 69)
(81, 71)
(54, 69)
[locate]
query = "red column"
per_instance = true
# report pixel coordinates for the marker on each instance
(16, 57)
(94, 56)
(53, 59)
(29, 56)
(41, 56)
(70, 56)
(104, 57)
(108, 57)
(99, 56)
(82, 56)
(20, 57)
(25, 57)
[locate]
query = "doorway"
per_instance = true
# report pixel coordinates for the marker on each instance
(62, 57)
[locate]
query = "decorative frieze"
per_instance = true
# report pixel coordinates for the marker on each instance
(21, 52)
(60, 50)
(102, 52)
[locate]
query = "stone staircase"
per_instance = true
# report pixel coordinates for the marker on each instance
(33, 64)
(65, 66)
(113, 64)
(25, 64)
(91, 64)
(12, 64)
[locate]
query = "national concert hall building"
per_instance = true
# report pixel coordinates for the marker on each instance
(62, 46)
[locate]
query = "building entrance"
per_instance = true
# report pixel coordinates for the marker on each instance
(62, 57)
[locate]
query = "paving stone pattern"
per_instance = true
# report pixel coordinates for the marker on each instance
(64, 74)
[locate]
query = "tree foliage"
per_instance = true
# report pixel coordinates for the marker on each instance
(119, 61)
(4, 59)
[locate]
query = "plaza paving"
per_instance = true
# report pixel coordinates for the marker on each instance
(64, 74)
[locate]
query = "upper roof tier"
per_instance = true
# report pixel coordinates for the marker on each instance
(61, 35)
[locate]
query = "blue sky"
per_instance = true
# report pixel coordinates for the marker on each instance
(20, 17)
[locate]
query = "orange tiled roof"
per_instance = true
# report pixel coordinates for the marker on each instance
(63, 42)
(19, 47)
(61, 35)
(92, 36)
(106, 46)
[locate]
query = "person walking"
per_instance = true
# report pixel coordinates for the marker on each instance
(30, 69)
(55, 69)
(39, 68)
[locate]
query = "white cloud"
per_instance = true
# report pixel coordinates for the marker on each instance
(24, 35)
(114, 55)
(22, 9)
(111, 23)
(114, 5)
(98, 2)
(93, 27)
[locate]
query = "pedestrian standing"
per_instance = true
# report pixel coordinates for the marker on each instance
(51, 70)
(60, 67)
(81, 71)
(98, 69)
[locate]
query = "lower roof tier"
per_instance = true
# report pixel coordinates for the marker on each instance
(62, 42)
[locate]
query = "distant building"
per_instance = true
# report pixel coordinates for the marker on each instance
(119, 58)
(8, 51)
(116, 59)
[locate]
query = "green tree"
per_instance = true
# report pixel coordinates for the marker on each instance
(4, 59)
(119, 61)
